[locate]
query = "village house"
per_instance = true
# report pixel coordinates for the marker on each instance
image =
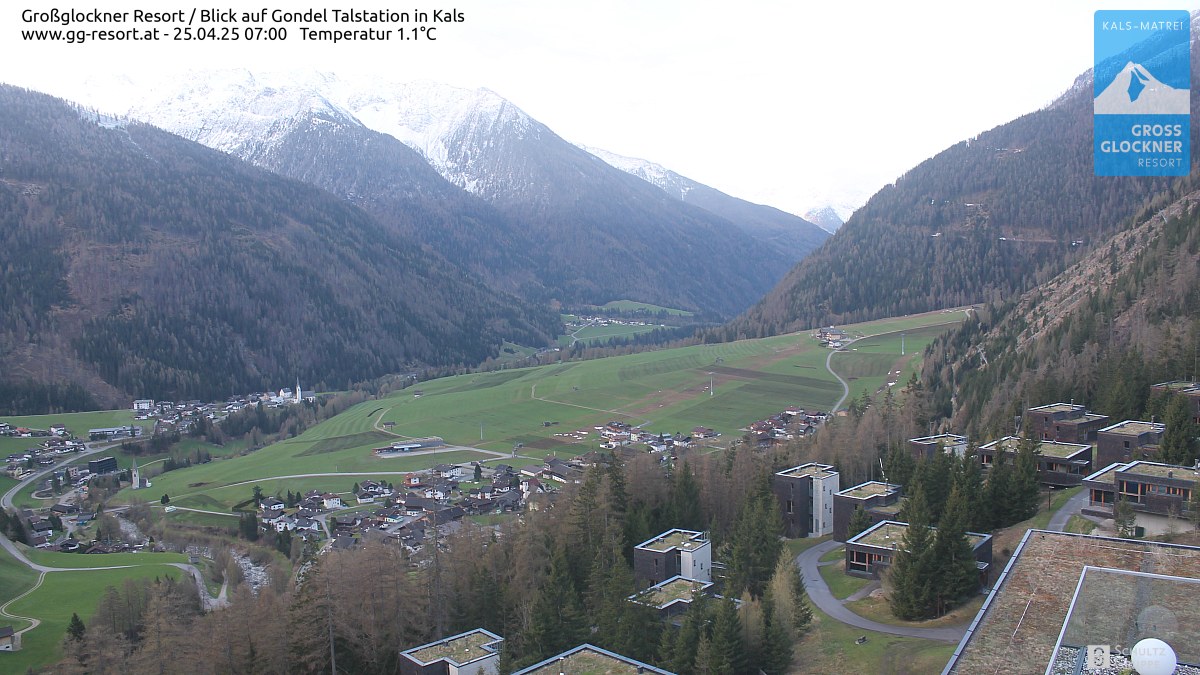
(448, 471)
(879, 502)
(1065, 422)
(331, 501)
(871, 552)
(805, 495)
(8, 639)
(1059, 464)
(272, 504)
(682, 553)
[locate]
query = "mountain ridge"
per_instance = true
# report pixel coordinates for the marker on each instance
(589, 233)
(162, 268)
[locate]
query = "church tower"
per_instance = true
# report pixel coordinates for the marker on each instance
(298, 399)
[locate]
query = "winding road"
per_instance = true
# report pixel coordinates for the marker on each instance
(819, 594)
(6, 501)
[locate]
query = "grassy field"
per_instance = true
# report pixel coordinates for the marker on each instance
(829, 647)
(598, 334)
(61, 594)
(877, 609)
(77, 560)
(664, 391)
(836, 554)
(1080, 525)
(797, 546)
(841, 585)
(872, 363)
(77, 423)
(15, 579)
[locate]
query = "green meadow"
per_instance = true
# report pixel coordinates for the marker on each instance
(60, 595)
(598, 334)
(537, 408)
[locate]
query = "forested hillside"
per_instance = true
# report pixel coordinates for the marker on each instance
(140, 264)
(983, 221)
(1123, 318)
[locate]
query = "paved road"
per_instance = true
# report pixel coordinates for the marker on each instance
(819, 593)
(1058, 521)
(845, 385)
(6, 499)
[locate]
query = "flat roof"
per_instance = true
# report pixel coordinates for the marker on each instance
(1109, 473)
(1023, 617)
(589, 660)
(869, 489)
(1178, 385)
(684, 539)
(811, 469)
(459, 649)
(949, 438)
(1116, 606)
(887, 534)
(1059, 407)
(1160, 470)
(1055, 449)
(1133, 428)
(675, 589)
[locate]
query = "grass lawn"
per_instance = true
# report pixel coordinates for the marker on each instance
(877, 609)
(15, 579)
(595, 334)
(1042, 520)
(493, 518)
(841, 585)
(798, 546)
(78, 560)
(1080, 525)
(61, 594)
(229, 522)
(829, 648)
(836, 554)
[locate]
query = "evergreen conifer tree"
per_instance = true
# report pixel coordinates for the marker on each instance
(858, 522)
(913, 571)
(957, 576)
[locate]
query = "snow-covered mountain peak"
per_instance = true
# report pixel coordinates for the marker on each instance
(655, 174)
(435, 118)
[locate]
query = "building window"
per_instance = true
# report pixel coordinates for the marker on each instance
(789, 506)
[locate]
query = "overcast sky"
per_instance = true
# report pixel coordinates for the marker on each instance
(789, 103)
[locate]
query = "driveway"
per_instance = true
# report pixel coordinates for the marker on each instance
(1058, 521)
(819, 593)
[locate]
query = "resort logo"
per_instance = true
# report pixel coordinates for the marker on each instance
(1142, 93)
